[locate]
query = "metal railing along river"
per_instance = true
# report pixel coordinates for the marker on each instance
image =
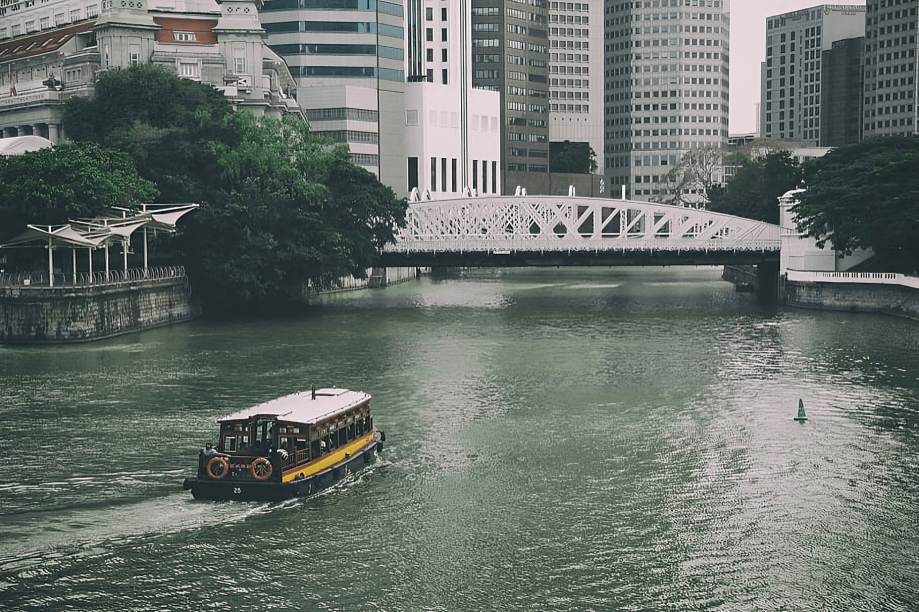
(65, 281)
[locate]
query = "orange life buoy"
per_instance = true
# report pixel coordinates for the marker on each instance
(261, 469)
(217, 468)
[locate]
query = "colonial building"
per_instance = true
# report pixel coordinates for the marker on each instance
(53, 50)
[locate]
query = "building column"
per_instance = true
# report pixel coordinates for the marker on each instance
(54, 133)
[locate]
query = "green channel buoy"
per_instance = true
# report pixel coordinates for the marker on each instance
(802, 416)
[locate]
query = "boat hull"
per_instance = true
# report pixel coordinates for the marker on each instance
(250, 490)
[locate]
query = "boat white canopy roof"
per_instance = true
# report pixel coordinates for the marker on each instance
(301, 407)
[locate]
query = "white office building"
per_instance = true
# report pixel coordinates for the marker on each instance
(348, 58)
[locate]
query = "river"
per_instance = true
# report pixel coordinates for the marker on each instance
(557, 440)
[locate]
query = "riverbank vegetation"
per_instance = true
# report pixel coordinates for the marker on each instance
(280, 207)
(70, 181)
(866, 196)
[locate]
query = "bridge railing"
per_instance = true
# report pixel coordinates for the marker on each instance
(37, 279)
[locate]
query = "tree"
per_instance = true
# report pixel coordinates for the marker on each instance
(290, 209)
(572, 157)
(759, 148)
(70, 180)
(279, 206)
(757, 184)
(865, 196)
(164, 122)
(691, 181)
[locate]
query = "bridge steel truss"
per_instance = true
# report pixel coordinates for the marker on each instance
(547, 230)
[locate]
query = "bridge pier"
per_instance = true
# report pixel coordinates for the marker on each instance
(767, 274)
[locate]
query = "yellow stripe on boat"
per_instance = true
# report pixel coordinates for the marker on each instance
(330, 459)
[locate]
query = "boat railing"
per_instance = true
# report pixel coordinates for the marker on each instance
(297, 457)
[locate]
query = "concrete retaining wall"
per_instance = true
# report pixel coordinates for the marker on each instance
(36, 315)
(893, 300)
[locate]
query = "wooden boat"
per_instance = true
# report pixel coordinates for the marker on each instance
(288, 447)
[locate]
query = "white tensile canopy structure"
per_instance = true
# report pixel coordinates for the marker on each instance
(17, 145)
(101, 231)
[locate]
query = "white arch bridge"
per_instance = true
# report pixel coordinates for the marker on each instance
(506, 231)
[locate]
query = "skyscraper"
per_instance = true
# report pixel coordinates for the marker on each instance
(889, 98)
(575, 74)
(841, 93)
(793, 83)
(348, 58)
(665, 91)
(451, 129)
(510, 50)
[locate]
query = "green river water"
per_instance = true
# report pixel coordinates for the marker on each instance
(557, 440)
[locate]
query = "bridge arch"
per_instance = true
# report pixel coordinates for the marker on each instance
(522, 225)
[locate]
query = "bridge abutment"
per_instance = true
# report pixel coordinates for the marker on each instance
(761, 278)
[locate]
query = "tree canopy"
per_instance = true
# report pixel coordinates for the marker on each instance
(865, 196)
(757, 184)
(279, 206)
(70, 180)
(696, 175)
(572, 157)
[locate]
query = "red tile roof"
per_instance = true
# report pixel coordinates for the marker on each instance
(203, 29)
(41, 42)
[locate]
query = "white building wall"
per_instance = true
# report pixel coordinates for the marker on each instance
(451, 129)
(433, 131)
(800, 252)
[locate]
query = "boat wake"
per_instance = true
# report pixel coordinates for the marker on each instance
(31, 538)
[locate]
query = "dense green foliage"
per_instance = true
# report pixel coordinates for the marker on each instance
(279, 206)
(162, 121)
(71, 180)
(572, 157)
(866, 196)
(757, 184)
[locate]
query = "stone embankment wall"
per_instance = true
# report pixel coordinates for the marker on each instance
(35, 315)
(376, 278)
(881, 293)
(893, 300)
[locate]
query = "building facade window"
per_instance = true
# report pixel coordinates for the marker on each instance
(189, 69)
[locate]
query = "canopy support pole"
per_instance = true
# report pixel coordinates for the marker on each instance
(145, 249)
(73, 252)
(50, 263)
(106, 263)
(125, 244)
(90, 251)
